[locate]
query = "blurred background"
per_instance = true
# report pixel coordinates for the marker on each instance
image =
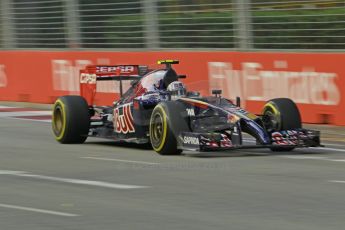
(173, 24)
(254, 49)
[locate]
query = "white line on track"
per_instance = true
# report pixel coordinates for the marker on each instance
(295, 157)
(337, 160)
(71, 181)
(120, 160)
(25, 113)
(38, 210)
(9, 172)
(304, 157)
(331, 149)
(337, 181)
(32, 119)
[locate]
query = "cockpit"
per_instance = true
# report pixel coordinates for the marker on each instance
(153, 81)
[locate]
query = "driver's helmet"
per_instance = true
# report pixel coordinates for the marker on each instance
(177, 90)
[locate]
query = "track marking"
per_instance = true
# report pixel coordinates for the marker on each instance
(312, 158)
(72, 181)
(9, 172)
(120, 160)
(30, 119)
(331, 149)
(6, 107)
(304, 157)
(27, 113)
(337, 181)
(38, 210)
(337, 160)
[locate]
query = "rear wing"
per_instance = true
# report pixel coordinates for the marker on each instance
(93, 73)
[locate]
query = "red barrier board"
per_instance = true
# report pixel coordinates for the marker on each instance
(316, 81)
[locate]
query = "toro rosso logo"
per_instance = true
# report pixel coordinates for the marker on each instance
(123, 119)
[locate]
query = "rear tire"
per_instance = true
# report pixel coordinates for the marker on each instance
(283, 114)
(71, 119)
(166, 123)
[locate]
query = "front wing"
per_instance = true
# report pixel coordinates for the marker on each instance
(299, 138)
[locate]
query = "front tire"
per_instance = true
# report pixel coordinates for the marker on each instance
(71, 119)
(281, 114)
(166, 123)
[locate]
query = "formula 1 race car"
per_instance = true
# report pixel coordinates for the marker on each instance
(158, 109)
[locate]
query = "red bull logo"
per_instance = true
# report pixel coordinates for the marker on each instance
(123, 123)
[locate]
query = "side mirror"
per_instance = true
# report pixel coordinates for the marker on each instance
(238, 101)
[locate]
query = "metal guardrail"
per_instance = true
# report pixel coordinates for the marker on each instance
(173, 24)
(298, 24)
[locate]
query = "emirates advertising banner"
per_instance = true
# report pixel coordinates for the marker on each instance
(315, 81)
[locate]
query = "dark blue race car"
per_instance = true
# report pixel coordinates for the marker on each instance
(158, 109)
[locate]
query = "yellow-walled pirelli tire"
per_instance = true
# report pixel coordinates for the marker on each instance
(281, 114)
(71, 119)
(166, 123)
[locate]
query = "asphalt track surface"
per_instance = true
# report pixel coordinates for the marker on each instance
(102, 185)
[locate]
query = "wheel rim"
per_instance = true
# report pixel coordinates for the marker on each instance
(58, 120)
(273, 122)
(156, 129)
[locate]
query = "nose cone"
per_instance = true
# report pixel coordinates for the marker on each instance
(258, 132)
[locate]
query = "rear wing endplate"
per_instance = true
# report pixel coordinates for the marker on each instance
(93, 73)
